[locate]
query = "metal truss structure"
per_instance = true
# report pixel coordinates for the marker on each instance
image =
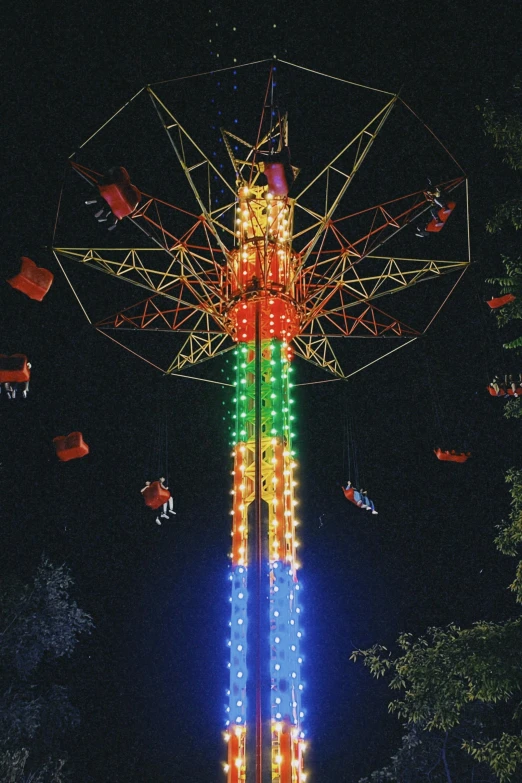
(336, 268)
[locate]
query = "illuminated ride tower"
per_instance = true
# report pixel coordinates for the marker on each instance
(268, 271)
(265, 684)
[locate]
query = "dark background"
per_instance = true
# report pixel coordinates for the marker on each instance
(151, 680)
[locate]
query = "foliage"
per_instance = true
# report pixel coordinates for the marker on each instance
(513, 409)
(509, 539)
(441, 673)
(507, 214)
(503, 755)
(433, 756)
(505, 127)
(39, 625)
(506, 130)
(12, 769)
(40, 620)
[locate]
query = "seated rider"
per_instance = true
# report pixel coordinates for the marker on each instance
(495, 384)
(437, 202)
(169, 502)
(369, 504)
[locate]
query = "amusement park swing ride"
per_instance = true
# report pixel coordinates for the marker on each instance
(266, 262)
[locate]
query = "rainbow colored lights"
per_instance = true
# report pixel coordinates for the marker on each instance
(281, 633)
(265, 659)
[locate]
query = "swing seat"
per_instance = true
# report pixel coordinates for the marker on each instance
(32, 280)
(500, 301)
(500, 393)
(120, 194)
(437, 225)
(70, 446)
(14, 369)
(155, 496)
(349, 494)
(505, 392)
(452, 456)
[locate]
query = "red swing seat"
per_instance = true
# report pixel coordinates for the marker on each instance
(14, 369)
(505, 392)
(452, 456)
(120, 194)
(32, 280)
(349, 494)
(70, 446)
(155, 496)
(444, 213)
(500, 301)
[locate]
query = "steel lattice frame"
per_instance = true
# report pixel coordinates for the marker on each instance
(268, 276)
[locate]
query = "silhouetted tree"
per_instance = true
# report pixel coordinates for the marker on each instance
(39, 624)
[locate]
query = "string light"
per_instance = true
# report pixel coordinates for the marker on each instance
(278, 464)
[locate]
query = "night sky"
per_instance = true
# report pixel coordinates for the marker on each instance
(150, 681)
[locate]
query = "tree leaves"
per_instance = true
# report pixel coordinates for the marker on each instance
(506, 130)
(40, 620)
(440, 674)
(503, 755)
(39, 624)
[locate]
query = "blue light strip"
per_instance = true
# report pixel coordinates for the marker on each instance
(237, 708)
(285, 637)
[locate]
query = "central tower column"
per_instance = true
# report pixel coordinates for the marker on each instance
(265, 740)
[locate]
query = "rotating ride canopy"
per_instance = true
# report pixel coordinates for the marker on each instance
(266, 268)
